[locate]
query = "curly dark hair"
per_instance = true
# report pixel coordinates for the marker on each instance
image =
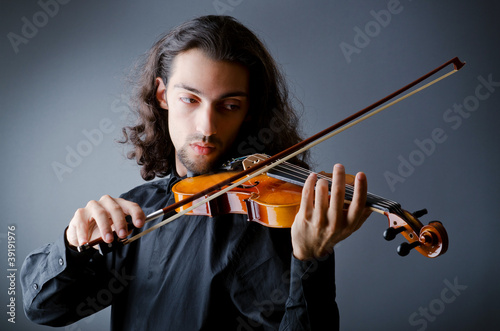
(274, 122)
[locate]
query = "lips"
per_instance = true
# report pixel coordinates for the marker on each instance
(202, 149)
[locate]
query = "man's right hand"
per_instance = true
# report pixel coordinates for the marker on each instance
(100, 218)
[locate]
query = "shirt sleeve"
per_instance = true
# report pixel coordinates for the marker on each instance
(311, 303)
(59, 283)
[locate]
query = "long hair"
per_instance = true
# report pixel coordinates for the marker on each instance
(273, 124)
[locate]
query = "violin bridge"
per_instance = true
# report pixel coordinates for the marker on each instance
(251, 160)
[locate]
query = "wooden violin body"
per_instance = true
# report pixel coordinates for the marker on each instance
(266, 200)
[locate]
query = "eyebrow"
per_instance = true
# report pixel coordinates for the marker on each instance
(225, 95)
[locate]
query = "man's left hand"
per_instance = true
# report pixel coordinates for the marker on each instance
(322, 220)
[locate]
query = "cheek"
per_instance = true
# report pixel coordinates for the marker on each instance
(177, 129)
(233, 127)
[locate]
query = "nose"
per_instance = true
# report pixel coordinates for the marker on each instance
(206, 120)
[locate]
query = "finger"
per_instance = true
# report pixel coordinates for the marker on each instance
(79, 228)
(307, 200)
(134, 210)
(337, 193)
(71, 236)
(357, 210)
(321, 202)
(116, 215)
(102, 218)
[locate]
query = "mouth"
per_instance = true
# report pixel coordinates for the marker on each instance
(202, 148)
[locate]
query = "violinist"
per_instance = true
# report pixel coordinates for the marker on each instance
(204, 88)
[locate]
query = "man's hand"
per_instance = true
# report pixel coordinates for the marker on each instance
(322, 221)
(99, 218)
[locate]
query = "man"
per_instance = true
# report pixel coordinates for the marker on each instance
(204, 89)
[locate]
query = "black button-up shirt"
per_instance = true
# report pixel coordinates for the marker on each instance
(196, 273)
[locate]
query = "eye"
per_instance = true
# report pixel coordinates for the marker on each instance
(231, 107)
(187, 100)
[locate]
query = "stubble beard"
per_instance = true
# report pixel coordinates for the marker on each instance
(200, 165)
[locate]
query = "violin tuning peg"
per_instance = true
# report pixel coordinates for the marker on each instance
(405, 248)
(419, 213)
(391, 233)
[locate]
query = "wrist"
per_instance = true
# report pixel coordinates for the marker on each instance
(308, 255)
(302, 255)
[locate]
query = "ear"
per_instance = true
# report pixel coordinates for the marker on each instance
(161, 93)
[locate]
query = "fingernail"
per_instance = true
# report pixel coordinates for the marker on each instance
(109, 237)
(122, 233)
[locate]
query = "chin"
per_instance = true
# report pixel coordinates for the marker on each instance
(198, 165)
(199, 170)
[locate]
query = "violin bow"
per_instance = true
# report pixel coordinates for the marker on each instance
(269, 163)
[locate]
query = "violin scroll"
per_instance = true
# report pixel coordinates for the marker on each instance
(434, 239)
(430, 240)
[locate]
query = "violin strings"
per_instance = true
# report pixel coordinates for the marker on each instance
(300, 174)
(372, 198)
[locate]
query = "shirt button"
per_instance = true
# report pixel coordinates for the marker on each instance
(35, 286)
(61, 261)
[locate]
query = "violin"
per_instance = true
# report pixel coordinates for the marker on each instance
(273, 200)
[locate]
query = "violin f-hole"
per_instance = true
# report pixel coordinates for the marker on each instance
(243, 186)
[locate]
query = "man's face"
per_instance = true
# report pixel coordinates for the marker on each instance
(207, 102)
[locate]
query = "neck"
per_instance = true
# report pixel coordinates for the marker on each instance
(297, 175)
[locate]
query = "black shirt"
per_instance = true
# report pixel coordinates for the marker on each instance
(196, 273)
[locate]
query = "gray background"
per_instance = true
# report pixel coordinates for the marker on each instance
(69, 76)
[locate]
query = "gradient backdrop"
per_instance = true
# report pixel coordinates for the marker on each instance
(64, 101)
